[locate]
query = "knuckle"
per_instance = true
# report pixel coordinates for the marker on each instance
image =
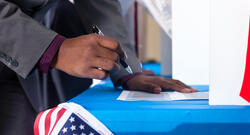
(170, 85)
(175, 82)
(116, 41)
(93, 36)
(161, 78)
(180, 83)
(116, 44)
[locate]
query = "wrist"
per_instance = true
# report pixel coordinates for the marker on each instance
(124, 80)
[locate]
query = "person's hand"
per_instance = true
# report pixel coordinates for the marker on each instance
(155, 84)
(89, 56)
(148, 72)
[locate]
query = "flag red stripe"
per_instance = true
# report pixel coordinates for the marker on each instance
(48, 120)
(59, 115)
(36, 124)
(245, 90)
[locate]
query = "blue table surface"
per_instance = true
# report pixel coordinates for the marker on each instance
(194, 117)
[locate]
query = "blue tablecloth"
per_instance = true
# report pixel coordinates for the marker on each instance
(190, 117)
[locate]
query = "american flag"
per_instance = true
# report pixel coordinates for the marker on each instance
(68, 119)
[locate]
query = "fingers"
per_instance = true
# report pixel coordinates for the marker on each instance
(174, 85)
(112, 44)
(83, 55)
(184, 85)
(97, 74)
(107, 53)
(155, 84)
(105, 64)
(150, 87)
(142, 83)
(181, 89)
(148, 72)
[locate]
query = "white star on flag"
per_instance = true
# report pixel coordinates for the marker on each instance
(73, 128)
(83, 134)
(81, 127)
(65, 130)
(72, 119)
(91, 133)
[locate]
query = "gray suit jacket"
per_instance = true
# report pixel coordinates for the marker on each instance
(23, 40)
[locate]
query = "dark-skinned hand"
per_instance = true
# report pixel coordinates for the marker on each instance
(148, 72)
(89, 56)
(155, 84)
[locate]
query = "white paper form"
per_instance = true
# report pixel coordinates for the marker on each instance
(127, 95)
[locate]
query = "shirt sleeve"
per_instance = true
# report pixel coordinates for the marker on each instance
(48, 56)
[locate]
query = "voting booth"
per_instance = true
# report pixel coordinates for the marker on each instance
(205, 42)
(211, 45)
(190, 41)
(229, 52)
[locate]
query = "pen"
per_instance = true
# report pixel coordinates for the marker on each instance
(96, 30)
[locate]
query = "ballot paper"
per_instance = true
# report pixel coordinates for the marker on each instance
(127, 95)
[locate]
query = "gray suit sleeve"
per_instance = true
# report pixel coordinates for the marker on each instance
(106, 14)
(22, 39)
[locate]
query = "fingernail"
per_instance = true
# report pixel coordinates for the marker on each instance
(157, 90)
(187, 90)
(194, 90)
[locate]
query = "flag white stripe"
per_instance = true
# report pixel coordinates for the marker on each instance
(61, 122)
(53, 117)
(42, 123)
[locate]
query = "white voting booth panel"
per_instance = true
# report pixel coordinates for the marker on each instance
(229, 41)
(166, 54)
(190, 41)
